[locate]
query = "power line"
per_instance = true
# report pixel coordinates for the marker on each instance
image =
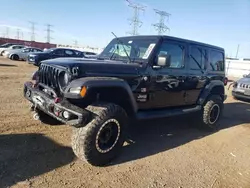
(135, 21)
(48, 30)
(32, 37)
(161, 27)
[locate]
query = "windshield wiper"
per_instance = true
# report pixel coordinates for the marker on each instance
(122, 46)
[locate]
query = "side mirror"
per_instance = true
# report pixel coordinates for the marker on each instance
(244, 75)
(163, 60)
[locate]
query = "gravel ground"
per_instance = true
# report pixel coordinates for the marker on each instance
(164, 153)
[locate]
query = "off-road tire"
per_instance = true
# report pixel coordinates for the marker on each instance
(84, 139)
(46, 119)
(213, 102)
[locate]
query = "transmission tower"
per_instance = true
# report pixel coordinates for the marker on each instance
(135, 21)
(75, 42)
(32, 32)
(48, 30)
(161, 27)
(7, 32)
(18, 34)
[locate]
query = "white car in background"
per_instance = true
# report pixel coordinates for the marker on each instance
(20, 54)
(12, 47)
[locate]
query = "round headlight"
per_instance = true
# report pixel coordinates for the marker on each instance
(64, 79)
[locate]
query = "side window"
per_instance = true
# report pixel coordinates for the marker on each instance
(69, 52)
(58, 52)
(216, 61)
(17, 47)
(198, 58)
(176, 51)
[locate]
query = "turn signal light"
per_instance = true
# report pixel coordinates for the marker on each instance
(83, 91)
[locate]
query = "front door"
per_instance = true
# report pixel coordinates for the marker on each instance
(168, 83)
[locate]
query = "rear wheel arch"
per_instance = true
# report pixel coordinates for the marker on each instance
(215, 87)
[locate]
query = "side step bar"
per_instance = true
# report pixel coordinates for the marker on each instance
(154, 114)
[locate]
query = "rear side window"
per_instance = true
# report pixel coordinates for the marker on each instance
(198, 58)
(69, 52)
(216, 62)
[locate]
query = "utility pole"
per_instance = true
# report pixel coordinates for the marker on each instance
(161, 27)
(32, 31)
(7, 32)
(48, 30)
(18, 34)
(237, 51)
(75, 42)
(135, 21)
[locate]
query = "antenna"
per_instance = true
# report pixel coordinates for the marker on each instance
(135, 21)
(32, 37)
(48, 30)
(161, 27)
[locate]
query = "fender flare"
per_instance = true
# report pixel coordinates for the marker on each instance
(207, 90)
(101, 82)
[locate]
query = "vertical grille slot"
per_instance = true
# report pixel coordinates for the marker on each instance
(49, 76)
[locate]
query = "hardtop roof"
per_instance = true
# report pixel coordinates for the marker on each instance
(174, 38)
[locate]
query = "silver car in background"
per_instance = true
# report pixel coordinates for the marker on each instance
(12, 47)
(20, 54)
(241, 88)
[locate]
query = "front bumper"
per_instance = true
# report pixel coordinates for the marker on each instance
(241, 95)
(47, 104)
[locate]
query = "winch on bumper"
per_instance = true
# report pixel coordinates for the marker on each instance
(63, 111)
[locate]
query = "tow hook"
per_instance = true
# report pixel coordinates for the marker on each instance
(36, 116)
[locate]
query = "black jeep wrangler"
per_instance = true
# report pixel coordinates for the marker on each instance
(134, 78)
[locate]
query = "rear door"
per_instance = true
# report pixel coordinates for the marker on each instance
(197, 73)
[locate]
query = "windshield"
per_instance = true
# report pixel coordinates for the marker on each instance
(138, 49)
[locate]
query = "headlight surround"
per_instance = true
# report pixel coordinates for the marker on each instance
(64, 79)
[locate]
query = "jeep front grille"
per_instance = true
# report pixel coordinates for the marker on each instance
(49, 76)
(244, 86)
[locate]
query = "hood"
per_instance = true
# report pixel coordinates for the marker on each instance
(245, 80)
(96, 67)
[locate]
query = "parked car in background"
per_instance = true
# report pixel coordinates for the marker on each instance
(20, 54)
(6, 45)
(12, 47)
(36, 58)
(241, 88)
